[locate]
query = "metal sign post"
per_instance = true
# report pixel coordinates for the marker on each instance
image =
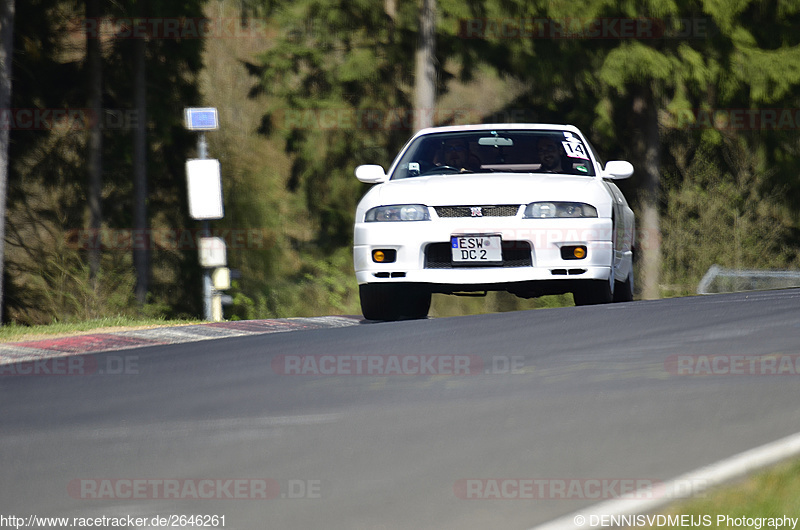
(205, 202)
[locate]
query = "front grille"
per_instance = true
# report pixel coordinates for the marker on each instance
(503, 210)
(515, 254)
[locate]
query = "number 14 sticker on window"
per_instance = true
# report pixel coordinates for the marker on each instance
(476, 249)
(573, 147)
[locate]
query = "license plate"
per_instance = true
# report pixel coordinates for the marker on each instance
(476, 249)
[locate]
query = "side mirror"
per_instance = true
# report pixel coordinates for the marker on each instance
(618, 170)
(371, 174)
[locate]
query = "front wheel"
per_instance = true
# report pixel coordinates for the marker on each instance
(393, 302)
(623, 291)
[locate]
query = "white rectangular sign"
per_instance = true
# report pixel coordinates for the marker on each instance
(212, 252)
(205, 189)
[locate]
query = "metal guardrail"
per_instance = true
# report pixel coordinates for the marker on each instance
(720, 280)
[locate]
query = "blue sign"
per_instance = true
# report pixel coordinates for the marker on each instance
(201, 119)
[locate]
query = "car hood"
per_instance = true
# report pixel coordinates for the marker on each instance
(488, 188)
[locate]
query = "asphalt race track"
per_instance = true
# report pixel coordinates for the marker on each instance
(315, 429)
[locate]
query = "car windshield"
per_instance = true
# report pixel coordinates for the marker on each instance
(488, 151)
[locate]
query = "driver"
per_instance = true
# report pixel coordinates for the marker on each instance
(550, 155)
(455, 153)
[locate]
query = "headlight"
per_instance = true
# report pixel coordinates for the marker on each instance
(398, 212)
(539, 210)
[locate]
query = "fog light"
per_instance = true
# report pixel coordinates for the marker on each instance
(386, 255)
(573, 252)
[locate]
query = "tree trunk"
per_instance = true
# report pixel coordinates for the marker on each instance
(94, 60)
(425, 83)
(6, 55)
(141, 254)
(648, 237)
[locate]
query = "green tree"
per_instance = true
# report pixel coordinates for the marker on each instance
(7, 11)
(343, 85)
(50, 236)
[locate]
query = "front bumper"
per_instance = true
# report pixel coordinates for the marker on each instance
(545, 238)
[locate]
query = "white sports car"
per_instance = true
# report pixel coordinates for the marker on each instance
(523, 208)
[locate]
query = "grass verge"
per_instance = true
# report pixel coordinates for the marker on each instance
(773, 493)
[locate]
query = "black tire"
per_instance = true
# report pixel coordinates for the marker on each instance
(623, 291)
(394, 302)
(593, 292)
